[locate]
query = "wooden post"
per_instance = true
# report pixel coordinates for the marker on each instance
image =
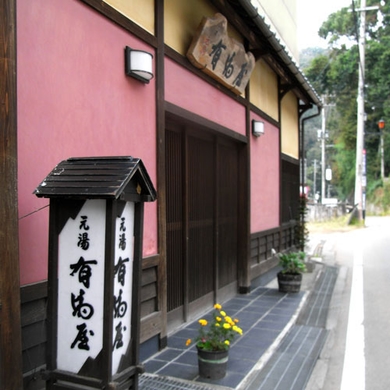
(10, 334)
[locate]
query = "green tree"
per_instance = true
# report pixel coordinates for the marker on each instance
(334, 73)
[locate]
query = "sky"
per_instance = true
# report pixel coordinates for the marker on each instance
(311, 15)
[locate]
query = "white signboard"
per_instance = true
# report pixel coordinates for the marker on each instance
(81, 286)
(123, 284)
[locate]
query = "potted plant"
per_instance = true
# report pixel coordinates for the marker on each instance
(290, 277)
(213, 343)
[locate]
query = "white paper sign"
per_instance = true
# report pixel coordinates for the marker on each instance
(123, 284)
(81, 286)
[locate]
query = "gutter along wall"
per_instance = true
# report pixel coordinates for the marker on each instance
(75, 100)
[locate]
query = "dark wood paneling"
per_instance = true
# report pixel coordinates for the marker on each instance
(10, 334)
(33, 319)
(34, 334)
(201, 187)
(262, 243)
(148, 307)
(202, 182)
(151, 326)
(174, 224)
(33, 315)
(149, 292)
(33, 311)
(290, 190)
(149, 276)
(227, 218)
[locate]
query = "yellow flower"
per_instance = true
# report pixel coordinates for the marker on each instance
(217, 333)
(236, 320)
(226, 325)
(237, 329)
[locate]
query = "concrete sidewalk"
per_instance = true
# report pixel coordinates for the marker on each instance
(283, 336)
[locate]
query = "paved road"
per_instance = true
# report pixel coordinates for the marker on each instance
(356, 355)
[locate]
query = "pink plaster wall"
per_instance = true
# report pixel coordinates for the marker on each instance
(265, 179)
(190, 92)
(74, 100)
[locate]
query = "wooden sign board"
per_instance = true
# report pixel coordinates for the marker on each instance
(94, 283)
(220, 56)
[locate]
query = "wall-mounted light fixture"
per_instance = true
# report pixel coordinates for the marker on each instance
(138, 64)
(257, 128)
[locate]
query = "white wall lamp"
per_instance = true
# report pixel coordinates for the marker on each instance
(257, 128)
(138, 64)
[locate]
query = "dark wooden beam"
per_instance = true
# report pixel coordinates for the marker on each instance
(161, 189)
(284, 89)
(121, 20)
(10, 334)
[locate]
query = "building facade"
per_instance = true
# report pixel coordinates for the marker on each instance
(225, 196)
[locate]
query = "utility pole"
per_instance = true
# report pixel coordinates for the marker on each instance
(360, 172)
(381, 125)
(323, 131)
(359, 198)
(322, 135)
(315, 178)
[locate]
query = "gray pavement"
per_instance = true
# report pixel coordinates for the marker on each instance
(283, 336)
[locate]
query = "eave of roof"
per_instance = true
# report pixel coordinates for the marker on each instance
(281, 51)
(97, 177)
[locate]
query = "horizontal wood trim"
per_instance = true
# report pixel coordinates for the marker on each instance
(149, 276)
(32, 292)
(148, 307)
(33, 312)
(150, 326)
(152, 261)
(32, 380)
(34, 358)
(264, 115)
(33, 335)
(148, 292)
(265, 232)
(175, 112)
(260, 269)
(185, 63)
(122, 21)
(289, 159)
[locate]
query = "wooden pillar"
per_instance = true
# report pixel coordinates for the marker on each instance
(160, 121)
(10, 330)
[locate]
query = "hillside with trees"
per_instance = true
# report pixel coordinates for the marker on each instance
(334, 74)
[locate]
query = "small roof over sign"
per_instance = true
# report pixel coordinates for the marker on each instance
(98, 178)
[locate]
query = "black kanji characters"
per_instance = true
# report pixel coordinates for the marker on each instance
(120, 306)
(84, 270)
(82, 338)
(120, 270)
(81, 309)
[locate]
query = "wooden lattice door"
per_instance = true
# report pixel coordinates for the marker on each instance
(202, 209)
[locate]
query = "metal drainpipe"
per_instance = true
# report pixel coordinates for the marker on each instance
(302, 130)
